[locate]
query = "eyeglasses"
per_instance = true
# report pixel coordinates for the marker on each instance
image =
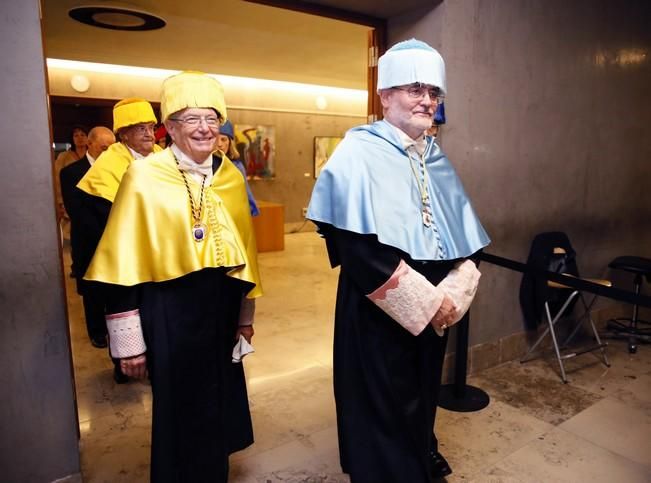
(143, 128)
(418, 91)
(194, 121)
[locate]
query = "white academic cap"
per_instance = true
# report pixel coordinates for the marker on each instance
(408, 62)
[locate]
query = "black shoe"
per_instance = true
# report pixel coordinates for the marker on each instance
(119, 377)
(99, 341)
(439, 465)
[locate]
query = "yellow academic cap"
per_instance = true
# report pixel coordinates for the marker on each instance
(191, 89)
(132, 111)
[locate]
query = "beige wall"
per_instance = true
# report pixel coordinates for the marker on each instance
(549, 127)
(295, 134)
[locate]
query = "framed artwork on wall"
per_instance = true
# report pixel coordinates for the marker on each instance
(257, 147)
(324, 146)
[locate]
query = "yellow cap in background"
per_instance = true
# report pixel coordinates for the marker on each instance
(132, 111)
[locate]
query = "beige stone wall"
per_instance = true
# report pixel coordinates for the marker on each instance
(549, 129)
(294, 180)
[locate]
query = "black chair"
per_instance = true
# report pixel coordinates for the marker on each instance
(627, 327)
(552, 251)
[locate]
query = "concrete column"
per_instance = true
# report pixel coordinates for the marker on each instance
(38, 437)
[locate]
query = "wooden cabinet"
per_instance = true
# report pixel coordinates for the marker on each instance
(269, 226)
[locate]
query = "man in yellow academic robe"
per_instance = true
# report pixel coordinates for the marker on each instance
(180, 257)
(133, 124)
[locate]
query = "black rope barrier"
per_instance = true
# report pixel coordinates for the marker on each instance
(569, 281)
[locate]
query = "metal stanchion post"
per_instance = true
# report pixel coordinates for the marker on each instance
(460, 396)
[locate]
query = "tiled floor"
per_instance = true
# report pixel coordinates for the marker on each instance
(597, 428)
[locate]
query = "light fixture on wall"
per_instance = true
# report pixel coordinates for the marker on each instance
(355, 95)
(250, 93)
(321, 102)
(79, 83)
(116, 18)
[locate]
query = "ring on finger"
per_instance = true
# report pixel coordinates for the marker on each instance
(444, 326)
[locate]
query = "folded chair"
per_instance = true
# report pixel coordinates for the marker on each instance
(552, 251)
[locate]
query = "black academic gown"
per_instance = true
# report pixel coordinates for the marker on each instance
(88, 216)
(386, 380)
(200, 411)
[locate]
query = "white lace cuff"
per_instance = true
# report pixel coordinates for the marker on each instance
(125, 334)
(408, 298)
(461, 285)
(247, 311)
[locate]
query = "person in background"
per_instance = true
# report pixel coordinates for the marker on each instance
(437, 122)
(78, 146)
(161, 136)
(84, 232)
(133, 122)
(397, 221)
(226, 144)
(434, 130)
(179, 257)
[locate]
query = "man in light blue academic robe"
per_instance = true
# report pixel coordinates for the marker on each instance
(397, 220)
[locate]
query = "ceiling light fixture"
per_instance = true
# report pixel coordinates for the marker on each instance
(116, 18)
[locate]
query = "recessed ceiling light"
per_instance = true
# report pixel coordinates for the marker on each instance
(116, 18)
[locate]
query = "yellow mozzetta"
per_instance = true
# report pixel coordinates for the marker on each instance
(141, 244)
(104, 176)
